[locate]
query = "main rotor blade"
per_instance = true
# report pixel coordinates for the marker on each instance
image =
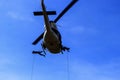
(38, 39)
(65, 10)
(41, 13)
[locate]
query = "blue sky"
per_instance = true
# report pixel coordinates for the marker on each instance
(90, 29)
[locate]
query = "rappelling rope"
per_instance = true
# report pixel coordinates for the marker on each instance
(33, 62)
(68, 67)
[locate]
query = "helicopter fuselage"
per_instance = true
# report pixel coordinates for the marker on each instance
(51, 41)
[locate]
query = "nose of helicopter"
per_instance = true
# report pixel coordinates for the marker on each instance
(55, 49)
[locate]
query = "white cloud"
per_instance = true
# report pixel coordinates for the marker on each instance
(79, 33)
(87, 71)
(82, 30)
(9, 71)
(4, 61)
(78, 71)
(18, 16)
(13, 76)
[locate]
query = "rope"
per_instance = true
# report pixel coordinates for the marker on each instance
(68, 68)
(32, 67)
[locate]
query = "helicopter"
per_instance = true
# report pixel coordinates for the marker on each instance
(52, 40)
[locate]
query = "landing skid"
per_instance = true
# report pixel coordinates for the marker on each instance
(39, 52)
(65, 49)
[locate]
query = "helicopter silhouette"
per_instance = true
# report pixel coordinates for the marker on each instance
(52, 40)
